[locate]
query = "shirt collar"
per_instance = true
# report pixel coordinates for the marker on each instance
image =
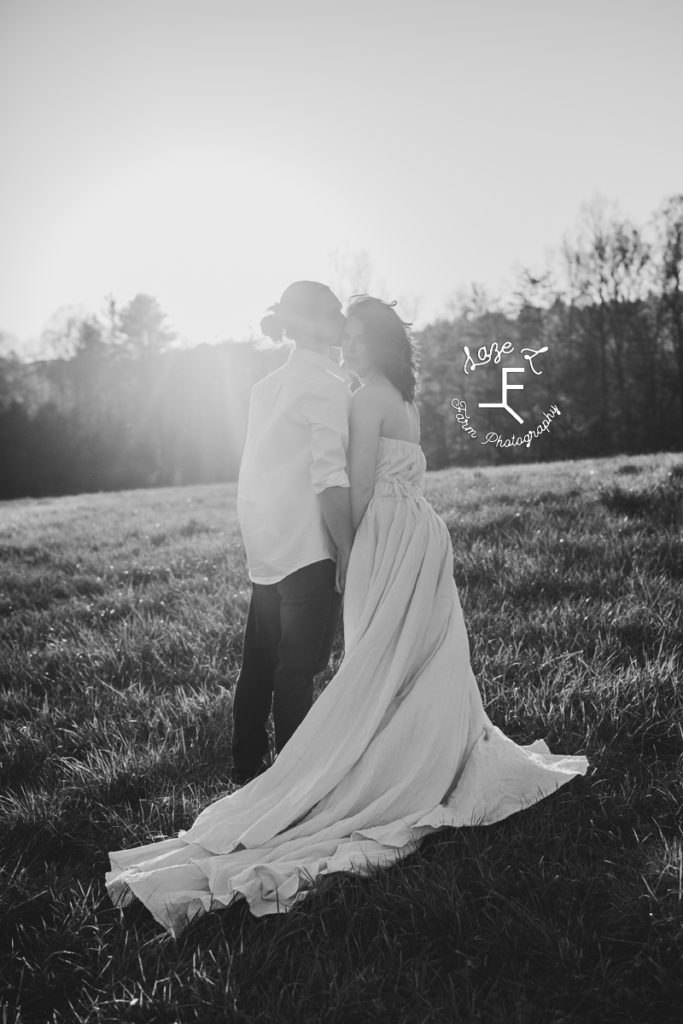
(311, 356)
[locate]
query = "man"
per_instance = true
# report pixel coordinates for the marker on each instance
(295, 517)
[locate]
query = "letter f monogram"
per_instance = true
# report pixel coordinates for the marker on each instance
(505, 387)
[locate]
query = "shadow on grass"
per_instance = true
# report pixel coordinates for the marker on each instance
(661, 505)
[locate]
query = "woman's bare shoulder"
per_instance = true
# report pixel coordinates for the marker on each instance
(371, 394)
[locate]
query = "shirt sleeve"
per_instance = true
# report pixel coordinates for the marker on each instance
(326, 410)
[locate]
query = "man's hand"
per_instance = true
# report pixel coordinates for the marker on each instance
(335, 504)
(342, 566)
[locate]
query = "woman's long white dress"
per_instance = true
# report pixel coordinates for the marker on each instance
(396, 746)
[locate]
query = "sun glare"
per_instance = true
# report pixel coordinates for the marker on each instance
(214, 238)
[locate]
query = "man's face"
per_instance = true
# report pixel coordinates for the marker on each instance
(332, 324)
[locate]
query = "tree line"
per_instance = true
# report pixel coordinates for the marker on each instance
(597, 335)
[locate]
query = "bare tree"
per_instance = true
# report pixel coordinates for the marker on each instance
(471, 302)
(408, 306)
(60, 337)
(669, 266)
(606, 275)
(351, 272)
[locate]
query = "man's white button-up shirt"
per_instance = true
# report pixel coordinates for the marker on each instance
(296, 444)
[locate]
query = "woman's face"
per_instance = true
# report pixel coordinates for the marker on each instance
(357, 355)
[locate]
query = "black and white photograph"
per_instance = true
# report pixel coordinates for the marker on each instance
(341, 512)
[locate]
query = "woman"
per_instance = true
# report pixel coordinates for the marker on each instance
(398, 744)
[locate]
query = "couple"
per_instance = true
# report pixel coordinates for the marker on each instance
(398, 744)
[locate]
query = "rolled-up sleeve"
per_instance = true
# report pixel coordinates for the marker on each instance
(326, 410)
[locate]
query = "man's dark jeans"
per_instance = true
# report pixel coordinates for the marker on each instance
(291, 626)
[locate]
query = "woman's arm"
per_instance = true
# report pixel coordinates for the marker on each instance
(327, 411)
(365, 422)
(336, 510)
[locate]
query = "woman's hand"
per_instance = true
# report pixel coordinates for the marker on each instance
(342, 566)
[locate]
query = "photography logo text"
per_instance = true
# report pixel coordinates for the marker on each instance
(485, 357)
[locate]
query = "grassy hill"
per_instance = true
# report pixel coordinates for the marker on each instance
(122, 618)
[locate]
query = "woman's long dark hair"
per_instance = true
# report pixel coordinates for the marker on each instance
(390, 341)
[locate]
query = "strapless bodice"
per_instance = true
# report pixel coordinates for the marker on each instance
(400, 468)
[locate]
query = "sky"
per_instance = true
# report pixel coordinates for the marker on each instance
(209, 152)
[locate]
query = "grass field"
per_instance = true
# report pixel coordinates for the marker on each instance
(122, 618)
